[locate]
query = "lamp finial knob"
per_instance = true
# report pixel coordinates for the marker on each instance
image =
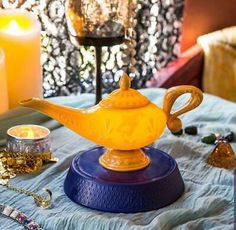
(125, 82)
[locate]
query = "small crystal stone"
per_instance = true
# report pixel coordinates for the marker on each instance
(178, 133)
(191, 130)
(222, 156)
(229, 136)
(209, 139)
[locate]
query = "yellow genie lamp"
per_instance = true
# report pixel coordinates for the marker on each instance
(125, 175)
(123, 122)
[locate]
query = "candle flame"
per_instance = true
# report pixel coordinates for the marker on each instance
(27, 132)
(14, 27)
(30, 133)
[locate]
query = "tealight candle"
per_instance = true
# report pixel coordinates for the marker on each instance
(3, 84)
(28, 139)
(20, 40)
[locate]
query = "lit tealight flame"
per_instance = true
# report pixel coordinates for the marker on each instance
(13, 27)
(28, 133)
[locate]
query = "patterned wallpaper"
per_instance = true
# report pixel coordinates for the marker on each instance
(71, 70)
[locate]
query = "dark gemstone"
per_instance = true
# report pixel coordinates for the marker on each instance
(229, 136)
(191, 130)
(27, 221)
(178, 133)
(209, 139)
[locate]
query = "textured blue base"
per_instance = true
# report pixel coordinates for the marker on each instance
(89, 184)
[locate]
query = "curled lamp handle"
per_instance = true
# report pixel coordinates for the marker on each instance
(173, 122)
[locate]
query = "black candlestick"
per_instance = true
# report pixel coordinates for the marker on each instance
(98, 43)
(98, 53)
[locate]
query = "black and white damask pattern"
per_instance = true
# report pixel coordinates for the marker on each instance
(70, 70)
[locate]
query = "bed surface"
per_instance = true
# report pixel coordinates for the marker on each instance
(209, 194)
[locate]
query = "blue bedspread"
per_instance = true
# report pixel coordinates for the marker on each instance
(206, 204)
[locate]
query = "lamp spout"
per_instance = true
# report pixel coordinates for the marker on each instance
(67, 116)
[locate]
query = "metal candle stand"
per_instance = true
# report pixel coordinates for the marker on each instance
(98, 24)
(98, 43)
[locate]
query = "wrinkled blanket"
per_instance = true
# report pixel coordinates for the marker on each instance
(207, 202)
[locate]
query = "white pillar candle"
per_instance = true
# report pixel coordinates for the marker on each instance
(20, 40)
(3, 84)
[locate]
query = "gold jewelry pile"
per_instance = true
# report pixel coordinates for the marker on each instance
(12, 163)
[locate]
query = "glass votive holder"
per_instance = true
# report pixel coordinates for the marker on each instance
(28, 139)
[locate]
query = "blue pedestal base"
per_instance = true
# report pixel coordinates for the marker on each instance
(89, 184)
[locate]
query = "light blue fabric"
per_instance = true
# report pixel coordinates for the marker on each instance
(206, 204)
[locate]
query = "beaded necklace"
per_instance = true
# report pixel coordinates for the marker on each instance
(20, 217)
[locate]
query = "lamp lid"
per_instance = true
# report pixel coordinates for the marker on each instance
(124, 97)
